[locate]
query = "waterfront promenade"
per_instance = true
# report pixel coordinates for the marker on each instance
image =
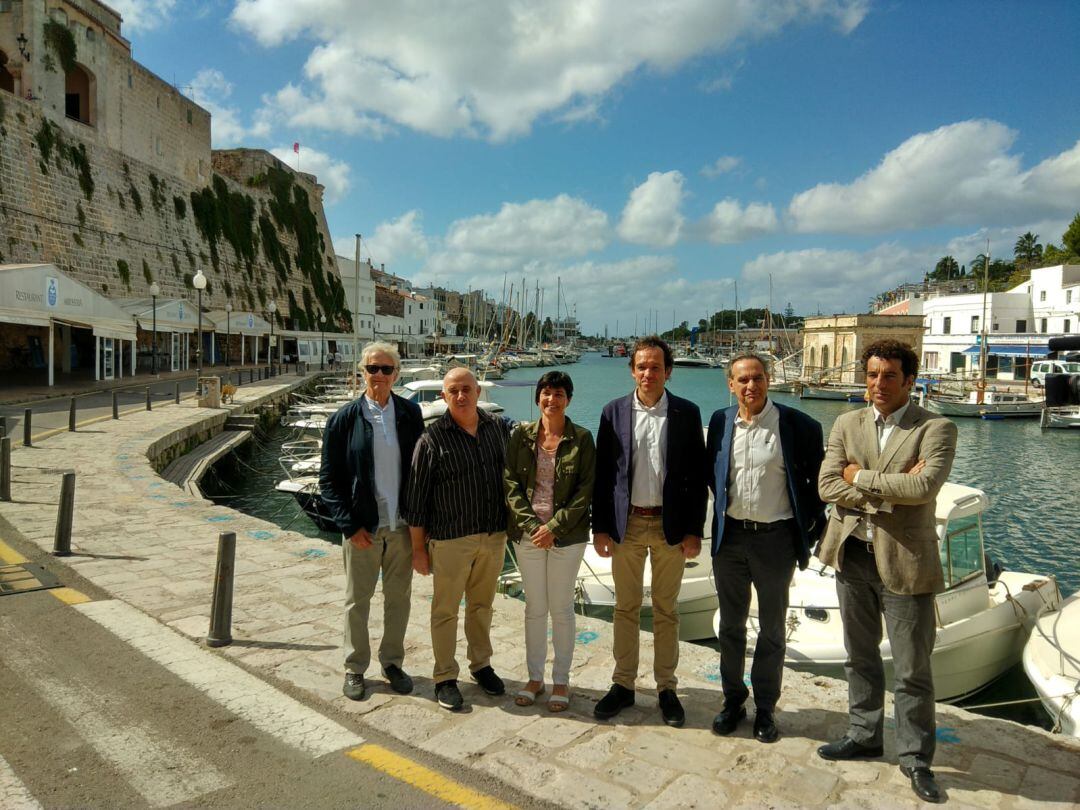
(152, 546)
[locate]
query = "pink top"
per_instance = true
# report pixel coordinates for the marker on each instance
(543, 499)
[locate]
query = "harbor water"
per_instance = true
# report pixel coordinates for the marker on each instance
(1030, 476)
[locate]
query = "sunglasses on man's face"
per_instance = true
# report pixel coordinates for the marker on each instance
(374, 369)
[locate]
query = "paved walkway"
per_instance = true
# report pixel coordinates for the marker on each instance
(153, 546)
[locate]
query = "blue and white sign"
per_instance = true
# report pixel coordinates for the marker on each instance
(52, 291)
(181, 310)
(251, 321)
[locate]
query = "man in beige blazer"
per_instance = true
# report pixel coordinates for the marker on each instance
(882, 471)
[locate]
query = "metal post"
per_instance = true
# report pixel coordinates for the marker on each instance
(251, 375)
(62, 538)
(148, 398)
(5, 468)
(26, 428)
(71, 415)
(177, 394)
(3, 426)
(221, 608)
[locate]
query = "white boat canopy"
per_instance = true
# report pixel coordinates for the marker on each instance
(42, 295)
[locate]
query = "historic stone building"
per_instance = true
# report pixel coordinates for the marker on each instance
(833, 345)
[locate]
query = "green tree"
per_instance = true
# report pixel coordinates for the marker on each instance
(1027, 251)
(946, 268)
(1071, 237)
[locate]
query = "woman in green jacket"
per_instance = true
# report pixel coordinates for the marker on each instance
(549, 472)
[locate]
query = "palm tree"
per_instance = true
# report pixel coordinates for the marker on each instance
(946, 268)
(1027, 250)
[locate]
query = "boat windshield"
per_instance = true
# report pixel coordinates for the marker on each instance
(962, 551)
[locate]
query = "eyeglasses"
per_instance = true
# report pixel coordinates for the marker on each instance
(374, 369)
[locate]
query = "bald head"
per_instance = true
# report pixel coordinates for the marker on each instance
(458, 376)
(461, 392)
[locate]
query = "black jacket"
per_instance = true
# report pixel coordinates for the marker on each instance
(347, 474)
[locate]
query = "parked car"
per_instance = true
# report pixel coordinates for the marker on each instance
(1040, 369)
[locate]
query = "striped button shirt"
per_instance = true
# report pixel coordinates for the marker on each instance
(456, 486)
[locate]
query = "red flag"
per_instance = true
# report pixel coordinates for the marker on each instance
(296, 147)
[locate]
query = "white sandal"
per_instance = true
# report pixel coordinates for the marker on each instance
(558, 703)
(526, 698)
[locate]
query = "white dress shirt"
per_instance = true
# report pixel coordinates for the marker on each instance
(757, 477)
(387, 459)
(648, 458)
(864, 530)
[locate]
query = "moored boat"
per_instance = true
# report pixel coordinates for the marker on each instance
(995, 404)
(1052, 664)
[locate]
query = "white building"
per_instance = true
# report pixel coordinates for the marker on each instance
(359, 295)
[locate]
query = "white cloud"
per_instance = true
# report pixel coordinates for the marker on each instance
(730, 222)
(724, 81)
(397, 239)
(429, 66)
(211, 91)
(562, 226)
(652, 215)
(960, 174)
(722, 165)
(332, 174)
(142, 15)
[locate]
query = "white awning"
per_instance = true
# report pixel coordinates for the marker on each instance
(38, 294)
(173, 315)
(239, 323)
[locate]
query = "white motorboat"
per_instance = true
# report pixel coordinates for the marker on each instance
(428, 395)
(983, 621)
(995, 404)
(835, 391)
(1060, 417)
(1052, 664)
(692, 359)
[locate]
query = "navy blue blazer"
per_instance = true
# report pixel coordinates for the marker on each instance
(802, 444)
(347, 474)
(684, 493)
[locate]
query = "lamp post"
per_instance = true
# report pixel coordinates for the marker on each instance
(155, 291)
(199, 283)
(228, 330)
(322, 340)
(271, 308)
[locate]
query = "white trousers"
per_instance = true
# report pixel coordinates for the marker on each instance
(548, 576)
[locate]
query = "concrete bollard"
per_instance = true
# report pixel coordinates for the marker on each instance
(3, 426)
(251, 375)
(115, 405)
(71, 416)
(176, 395)
(221, 608)
(26, 428)
(5, 468)
(64, 516)
(148, 406)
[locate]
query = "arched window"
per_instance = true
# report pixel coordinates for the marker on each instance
(844, 357)
(813, 353)
(7, 81)
(824, 357)
(79, 95)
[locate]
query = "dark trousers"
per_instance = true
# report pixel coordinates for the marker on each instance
(910, 623)
(765, 559)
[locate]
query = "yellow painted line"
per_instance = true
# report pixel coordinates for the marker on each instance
(425, 779)
(10, 556)
(70, 596)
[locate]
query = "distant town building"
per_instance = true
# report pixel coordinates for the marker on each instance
(833, 345)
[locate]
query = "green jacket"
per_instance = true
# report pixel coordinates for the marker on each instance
(575, 469)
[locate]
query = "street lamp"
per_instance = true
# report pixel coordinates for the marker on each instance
(155, 291)
(228, 330)
(199, 283)
(322, 340)
(272, 308)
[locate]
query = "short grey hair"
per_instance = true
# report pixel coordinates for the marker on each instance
(765, 364)
(383, 347)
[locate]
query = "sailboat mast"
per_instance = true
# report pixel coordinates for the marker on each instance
(981, 385)
(355, 319)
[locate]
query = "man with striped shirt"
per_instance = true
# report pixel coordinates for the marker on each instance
(457, 520)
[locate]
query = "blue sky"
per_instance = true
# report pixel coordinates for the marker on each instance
(650, 154)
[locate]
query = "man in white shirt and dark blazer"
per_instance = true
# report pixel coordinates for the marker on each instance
(763, 462)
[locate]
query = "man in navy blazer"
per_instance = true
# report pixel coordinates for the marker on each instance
(763, 462)
(649, 501)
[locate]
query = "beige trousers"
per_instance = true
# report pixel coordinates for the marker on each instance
(645, 536)
(468, 566)
(390, 554)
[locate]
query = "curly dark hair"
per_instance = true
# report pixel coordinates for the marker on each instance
(653, 342)
(890, 349)
(555, 379)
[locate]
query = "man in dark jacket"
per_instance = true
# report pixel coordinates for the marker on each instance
(763, 462)
(366, 455)
(649, 501)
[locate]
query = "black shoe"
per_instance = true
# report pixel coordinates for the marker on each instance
(765, 729)
(729, 717)
(671, 708)
(448, 695)
(353, 687)
(489, 681)
(847, 748)
(400, 682)
(923, 783)
(617, 699)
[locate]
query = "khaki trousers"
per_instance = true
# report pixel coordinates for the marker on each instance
(390, 553)
(468, 566)
(645, 536)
